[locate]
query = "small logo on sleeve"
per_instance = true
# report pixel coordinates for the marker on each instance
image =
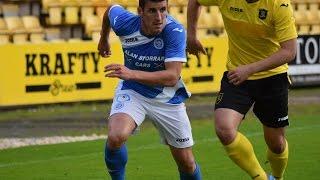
(115, 20)
(178, 29)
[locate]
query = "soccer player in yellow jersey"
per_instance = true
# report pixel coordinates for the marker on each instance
(262, 40)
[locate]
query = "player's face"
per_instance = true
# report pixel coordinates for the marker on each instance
(153, 17)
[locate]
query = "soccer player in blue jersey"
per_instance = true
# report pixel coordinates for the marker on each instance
(150, 84)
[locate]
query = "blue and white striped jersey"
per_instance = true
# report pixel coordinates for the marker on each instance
(150, 53)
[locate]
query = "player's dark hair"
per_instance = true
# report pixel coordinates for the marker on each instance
(143, 2)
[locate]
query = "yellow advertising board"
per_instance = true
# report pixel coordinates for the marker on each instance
(202, 74)
(72, 72)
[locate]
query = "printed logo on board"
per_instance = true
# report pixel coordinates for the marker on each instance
(57, 87)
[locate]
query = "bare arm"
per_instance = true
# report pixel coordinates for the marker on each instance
(193, 44)
(285, 54)
(167, 77)
(193, 14)
(104, 45)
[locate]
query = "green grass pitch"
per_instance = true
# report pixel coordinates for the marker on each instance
(148, 159)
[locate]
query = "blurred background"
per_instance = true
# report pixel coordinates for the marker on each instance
(36, 21)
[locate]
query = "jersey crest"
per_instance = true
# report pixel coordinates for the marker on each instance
(263, 13)
(158, 43)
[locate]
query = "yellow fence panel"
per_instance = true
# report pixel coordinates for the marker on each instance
(72, 72)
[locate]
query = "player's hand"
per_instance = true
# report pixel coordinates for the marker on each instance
(118, 71)
(238, 75)
(104, 48)
(195, 47)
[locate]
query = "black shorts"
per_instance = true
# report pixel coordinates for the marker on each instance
(269, 96)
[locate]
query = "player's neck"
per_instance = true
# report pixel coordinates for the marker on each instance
(251, 1)
(145, 31)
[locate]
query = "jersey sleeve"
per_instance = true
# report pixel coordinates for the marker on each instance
(284, 22)
(175, 44)
(210, 2)
(119, 18)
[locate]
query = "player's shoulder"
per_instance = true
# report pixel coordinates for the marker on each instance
(173, 26)
(119, 11)
(123, 22)
(281, 3)
(116, 9)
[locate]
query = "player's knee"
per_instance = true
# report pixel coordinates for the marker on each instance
(277, 147)
(276, 144)
(226, 136)
(115, 140)
(187, 165)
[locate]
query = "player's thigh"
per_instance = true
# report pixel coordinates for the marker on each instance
(173, 124)
(233, 97)
(120, 125)
(126, 113)
(271, 101)
(227, 119)
(232, 103)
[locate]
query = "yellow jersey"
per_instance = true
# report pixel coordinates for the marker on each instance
(255, 30)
